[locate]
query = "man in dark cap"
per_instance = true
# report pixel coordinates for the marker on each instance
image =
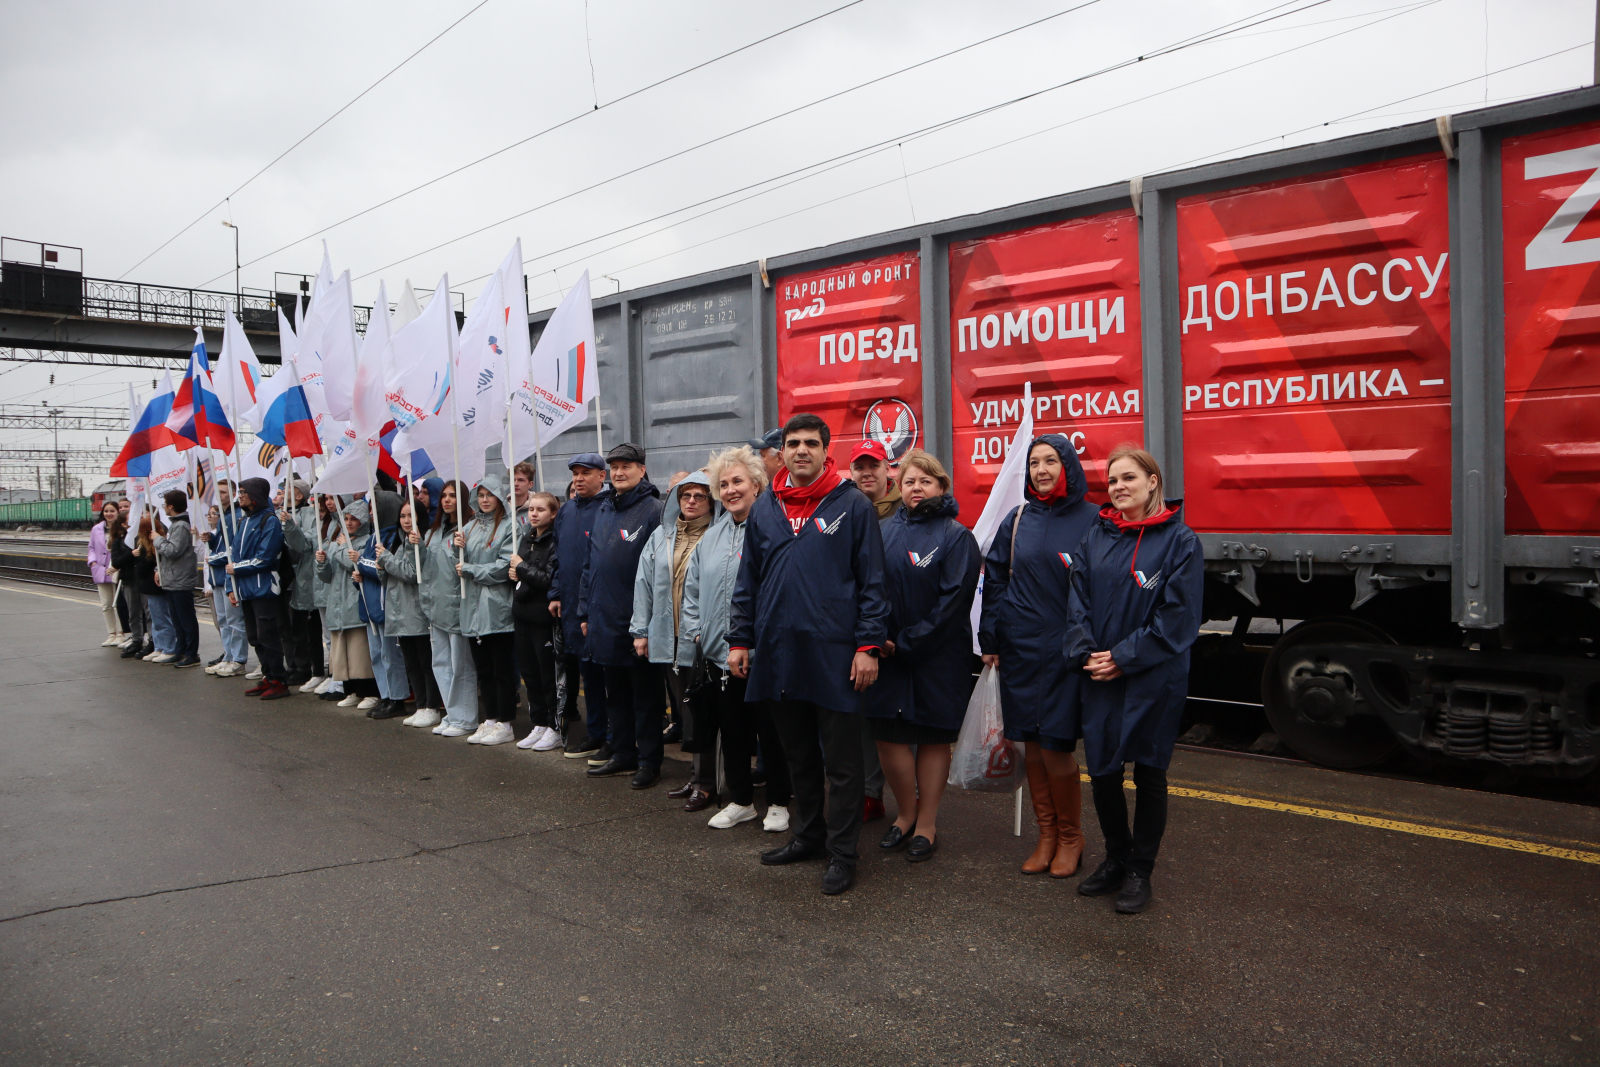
(626, 518)
(574, 522)
(255, 584)
(769, 446)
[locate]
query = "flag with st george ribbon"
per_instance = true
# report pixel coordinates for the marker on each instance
(562, 373)
(197, 418)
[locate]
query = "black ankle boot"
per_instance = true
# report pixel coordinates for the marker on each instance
(1107, 878)
(1135, 895)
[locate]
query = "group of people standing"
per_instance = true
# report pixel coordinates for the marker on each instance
(814, 623)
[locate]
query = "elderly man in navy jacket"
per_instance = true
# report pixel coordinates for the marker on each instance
(574, 522)
(808, 619)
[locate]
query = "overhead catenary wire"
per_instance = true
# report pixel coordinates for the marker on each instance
(279, 157)
(1205, 37)
(896, 179)
(547, 130)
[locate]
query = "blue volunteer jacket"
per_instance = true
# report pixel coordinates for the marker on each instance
(622, 524)
(372, 578)
(257, 542)
(930, 574)
(1026, 602)
(574, 521)
(804, 603)
(217, 559)
(1136, 592)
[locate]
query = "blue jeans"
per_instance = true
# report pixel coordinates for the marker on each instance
(230, 627)
(457, 677)
(388, 664)
(162, 632)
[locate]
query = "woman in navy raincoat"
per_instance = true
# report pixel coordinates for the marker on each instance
(930, 574)
(1136, 608)
(1027, 581)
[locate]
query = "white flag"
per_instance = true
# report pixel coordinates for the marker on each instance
(563, 374)
(355, 452)
(1006, 494)
(239, 371)
(406, 309)
(478, 381)
(416, 367)
(135, 486)
(267, 389)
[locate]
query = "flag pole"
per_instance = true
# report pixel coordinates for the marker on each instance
(455, 451)
(599, 433)
(511, 450)
(227, 545)
(411, 489)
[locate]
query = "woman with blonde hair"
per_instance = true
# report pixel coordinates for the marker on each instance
(1135, 613)
(737, 477)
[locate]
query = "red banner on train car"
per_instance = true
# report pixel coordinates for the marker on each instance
(1316, 353)
(1057, 306)
(848, 351)
(1550, 184)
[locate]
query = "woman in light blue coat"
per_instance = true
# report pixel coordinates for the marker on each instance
(738, 477)
(351, 659)
(657, 596)
(441, 602)
(406, 620)
(486, 610)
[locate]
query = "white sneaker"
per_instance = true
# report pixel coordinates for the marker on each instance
(777, 820)
(311, 686)
(348, 702)
(229, 669)
(326, 684)
(552, 740)
(367, 704)
(732, 816)
(477, 731)
(111, 641)
(534, 737)
(496, 733)
(257, 673)
(162, 657)
(212, 668)
(422, 717)
(450, 729)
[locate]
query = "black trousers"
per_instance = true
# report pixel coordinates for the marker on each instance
(418, 652)
(122, 613)
(494, 658)
(1136, 849)
(536, 662)
(596, 716)
(821, 743)
(261, 630)
(180, 603)
(721, 707)
(303, 650)
(633, 712)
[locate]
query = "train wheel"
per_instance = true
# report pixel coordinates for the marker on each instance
(1313, 701)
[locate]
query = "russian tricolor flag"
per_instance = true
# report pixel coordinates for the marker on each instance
(288, 422)
(420, 461)
(197, 417)
(149, 434)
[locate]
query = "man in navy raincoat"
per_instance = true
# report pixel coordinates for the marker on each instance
(808, 620)
(574, 522)
(623, 523)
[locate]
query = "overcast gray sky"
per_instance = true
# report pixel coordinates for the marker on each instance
(127, 122)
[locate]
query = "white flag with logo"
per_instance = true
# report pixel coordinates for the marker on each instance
(355, 451)
(478, 380)
(1006, 494)
(239, 371)
(563, 375)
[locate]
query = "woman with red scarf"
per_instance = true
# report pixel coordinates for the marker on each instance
(1136, 610)
(1027, 578)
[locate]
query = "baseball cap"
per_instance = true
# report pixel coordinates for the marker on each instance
(771, 439)
(874, 449)
(587, 459)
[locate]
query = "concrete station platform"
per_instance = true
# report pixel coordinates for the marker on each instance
(191, 877)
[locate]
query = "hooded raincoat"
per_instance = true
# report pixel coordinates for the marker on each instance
(1136, 592)
(622, 527)
(930, 573)
(708, 591)
(300, 540)
(806, 602)
(652, 583)
(574, 523)
(1026, 602)
(403, 614)
(487, 568)
(344, 598)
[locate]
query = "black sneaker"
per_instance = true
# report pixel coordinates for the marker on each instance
(297, 679)
(186, 661)
(601, 757)
(1107, 878)
(837, 878)
(1135, 895)
(584, 746)
(645, 777)
(214, 662)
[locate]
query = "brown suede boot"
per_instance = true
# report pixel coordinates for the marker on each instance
(1044, 810)
(1067, 792)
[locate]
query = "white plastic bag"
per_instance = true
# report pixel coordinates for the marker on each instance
(983, 759)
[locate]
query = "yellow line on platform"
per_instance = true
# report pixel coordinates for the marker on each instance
(1397, 825)
(52, 596)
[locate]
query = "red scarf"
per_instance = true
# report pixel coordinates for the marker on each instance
(1057, 491)
(799, 501)
(1110, 512)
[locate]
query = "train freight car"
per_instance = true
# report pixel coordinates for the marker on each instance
(73, 513)
(1369, 366)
